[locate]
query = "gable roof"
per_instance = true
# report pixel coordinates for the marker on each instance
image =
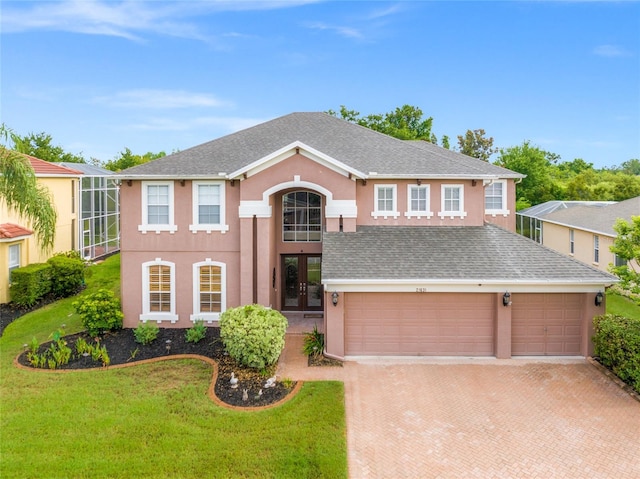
(46, 168)
(538, 211)
(596, 219)
(10, 232)
(86, 169)
(361, 149)
(448, 255)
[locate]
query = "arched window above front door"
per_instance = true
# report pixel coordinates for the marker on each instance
(302, 216)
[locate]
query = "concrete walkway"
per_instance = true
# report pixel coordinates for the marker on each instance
(481, 418)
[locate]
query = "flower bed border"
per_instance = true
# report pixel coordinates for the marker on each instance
(210, 391)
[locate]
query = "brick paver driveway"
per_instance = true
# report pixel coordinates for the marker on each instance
(485, 418)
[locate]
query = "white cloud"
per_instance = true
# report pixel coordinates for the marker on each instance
(348, 32)
(227, 124)
(128, 19)
(160, 99)
(610, 51)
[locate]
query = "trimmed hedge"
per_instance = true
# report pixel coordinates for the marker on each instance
(100, 312)
(253, 335)
(617, 346)
(67, 275)
(30, 283)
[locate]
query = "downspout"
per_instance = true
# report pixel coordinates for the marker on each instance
(255, 259)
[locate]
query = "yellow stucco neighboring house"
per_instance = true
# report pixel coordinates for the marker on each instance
(582, 230)
(18, 246)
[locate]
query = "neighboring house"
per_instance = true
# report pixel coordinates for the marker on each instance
(99, 207)
(404, 248)
(18, 247)
(582, 230)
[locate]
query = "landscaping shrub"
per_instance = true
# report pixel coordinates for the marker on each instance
(99, 312)
(67, 274)
(313, 343)
(617, 345)
(30, 283)
(196, 333)
(146, 333)
(253, 335)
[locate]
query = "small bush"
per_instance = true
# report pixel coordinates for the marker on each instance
(313, 343)
(30, 283)
(67, 275)
(196, 333)
(617, 345)
(100, 312)
(253, 335)
(146, 333)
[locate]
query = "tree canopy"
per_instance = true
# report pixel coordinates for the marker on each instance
(41, 146)
(127, 159)
(626, 246)
(405, 122)
(22, 194)
(474, 143)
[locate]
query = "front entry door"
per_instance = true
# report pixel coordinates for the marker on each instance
(301, 287)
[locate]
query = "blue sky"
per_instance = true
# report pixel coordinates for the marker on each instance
(100, 76)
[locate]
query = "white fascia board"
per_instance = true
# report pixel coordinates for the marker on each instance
(429, 176)
(249, 209)
(344, 208)
(479, 286)
(581, 228)
(15, 238)
(219, 176)
(286, 151)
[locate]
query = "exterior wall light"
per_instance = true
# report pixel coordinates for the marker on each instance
(599, 298)
(506, 299)
(334, 298)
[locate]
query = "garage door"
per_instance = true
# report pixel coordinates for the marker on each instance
(419, 324)
(546, 324)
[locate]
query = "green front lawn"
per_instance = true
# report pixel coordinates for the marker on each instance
(152, 420)
(621, 306)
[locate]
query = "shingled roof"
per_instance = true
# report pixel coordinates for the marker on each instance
(360, 148)
(479, 254)
(596, 219)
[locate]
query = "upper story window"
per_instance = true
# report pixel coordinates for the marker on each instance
(157, 207)
(452, 201)
(418, 203)
(302, 216)
(495, 198)
(208, 207)
(572, 243)
(209, 290)
(618, 261)
(596, 249)
(385, 201)
(14, 258)
(158, 291)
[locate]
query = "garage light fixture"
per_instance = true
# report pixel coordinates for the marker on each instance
(599, 298)
(506, 299)
(334, 298)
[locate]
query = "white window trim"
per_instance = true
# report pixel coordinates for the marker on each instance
(503, 210)
(596, 249)
(410, 213)
(452, 214)
(147, 315)
(145, 227)
(385, 214)
(572, 242)
(14, 265)
(195, 226)
(208, 317)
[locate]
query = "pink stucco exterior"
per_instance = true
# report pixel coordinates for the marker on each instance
(249, 253)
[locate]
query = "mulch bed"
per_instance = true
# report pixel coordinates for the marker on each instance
(123, 349)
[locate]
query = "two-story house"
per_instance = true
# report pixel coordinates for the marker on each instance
(403, 248)
(582, 230)
(18, 246)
